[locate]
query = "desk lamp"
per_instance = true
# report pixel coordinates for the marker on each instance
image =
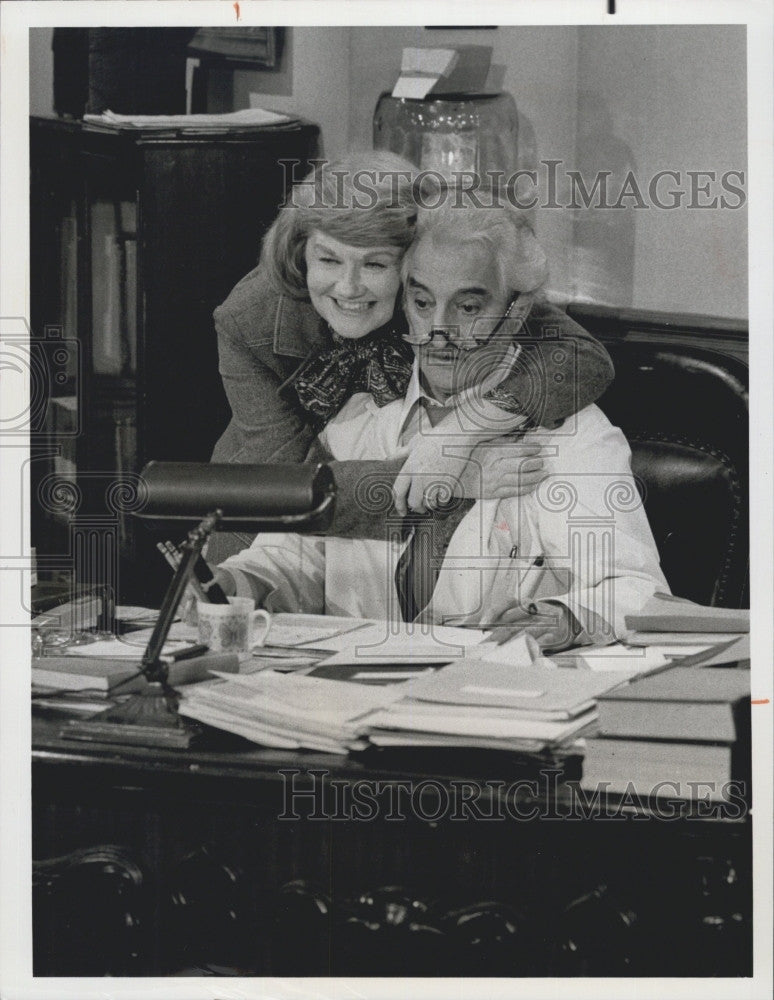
(200, 496)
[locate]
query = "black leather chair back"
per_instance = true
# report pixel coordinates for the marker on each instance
(684, 411)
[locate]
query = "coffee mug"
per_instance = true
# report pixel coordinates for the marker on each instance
(230, 628)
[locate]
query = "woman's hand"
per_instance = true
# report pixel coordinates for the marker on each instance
(429, 478)
(506, 467)
(551, 625)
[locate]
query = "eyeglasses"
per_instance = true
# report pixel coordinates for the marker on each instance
(470, 343)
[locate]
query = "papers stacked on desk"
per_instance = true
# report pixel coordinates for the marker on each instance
(362, 640)
(125, 648)
(387, 643)
(327, 712)
(288, 710)
(293, 631)
(207, 124)
(475, 703)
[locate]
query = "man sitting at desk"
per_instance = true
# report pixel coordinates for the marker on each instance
(569, 560)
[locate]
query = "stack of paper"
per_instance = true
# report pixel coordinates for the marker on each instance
(297, 630)
(385, 643)
(288, 710)
(248, 118)
(640, 659)
(129, 647)
(475, 703)
(353, 640)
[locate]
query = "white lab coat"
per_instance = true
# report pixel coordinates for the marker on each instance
(581, 539)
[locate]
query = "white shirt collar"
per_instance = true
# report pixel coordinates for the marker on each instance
(416, 392)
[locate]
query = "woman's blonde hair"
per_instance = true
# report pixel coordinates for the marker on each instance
(366, 199)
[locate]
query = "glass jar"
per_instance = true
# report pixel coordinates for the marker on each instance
(451, 134)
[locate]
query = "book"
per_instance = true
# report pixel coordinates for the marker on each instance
(82, 673)
(655, 768)
(295, 632)
(680, 703)
(105, 296)
(70, 702)
(69, 275)
(139, 721)
(664, 613)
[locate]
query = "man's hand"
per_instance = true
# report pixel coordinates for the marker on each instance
(187, 607)
(550, 624)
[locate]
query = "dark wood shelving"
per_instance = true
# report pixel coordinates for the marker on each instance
(194, 210)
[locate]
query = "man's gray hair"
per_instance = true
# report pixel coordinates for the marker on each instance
(502, 229)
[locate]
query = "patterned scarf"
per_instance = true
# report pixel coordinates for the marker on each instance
(380, 364)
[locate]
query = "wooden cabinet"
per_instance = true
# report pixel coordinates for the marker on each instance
(135, 238)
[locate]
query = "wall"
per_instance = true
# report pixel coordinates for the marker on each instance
(526, 54)
(645, 98)
(319, 89)
(41, 71)
(677, 98)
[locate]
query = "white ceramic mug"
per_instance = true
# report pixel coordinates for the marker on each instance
(231, 628)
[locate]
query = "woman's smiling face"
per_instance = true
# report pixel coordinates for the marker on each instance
(352, 288)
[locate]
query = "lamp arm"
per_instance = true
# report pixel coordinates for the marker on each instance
(152, 666)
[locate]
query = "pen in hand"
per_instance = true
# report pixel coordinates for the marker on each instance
(501, 634)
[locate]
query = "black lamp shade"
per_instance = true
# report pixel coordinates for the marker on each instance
(252, 497)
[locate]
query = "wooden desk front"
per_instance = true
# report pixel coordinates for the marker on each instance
(241, 861)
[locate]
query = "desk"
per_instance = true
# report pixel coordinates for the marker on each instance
(480, 866)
